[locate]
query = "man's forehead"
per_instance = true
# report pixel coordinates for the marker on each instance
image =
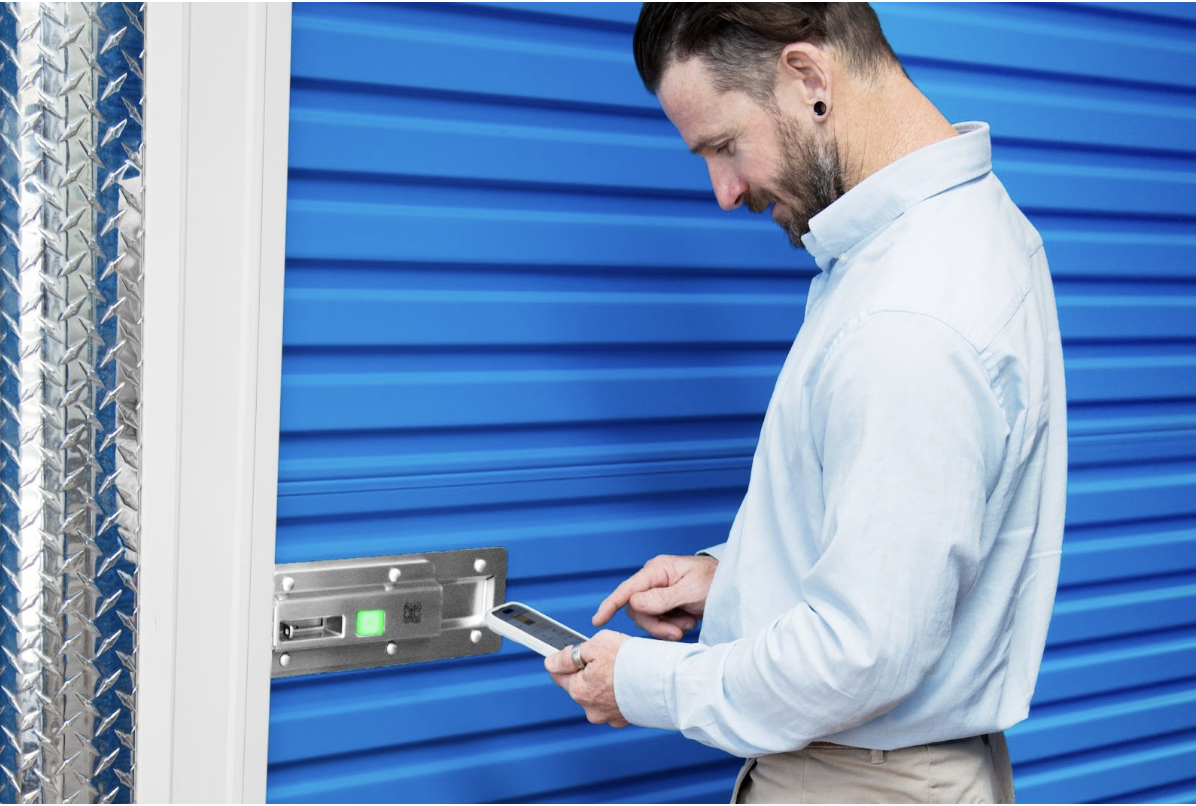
(690, 100)
(685, 84)
(701, 112)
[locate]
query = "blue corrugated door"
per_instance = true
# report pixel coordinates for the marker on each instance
(515, 316)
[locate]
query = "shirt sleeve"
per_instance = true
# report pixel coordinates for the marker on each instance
(911, 439)
(714, 551)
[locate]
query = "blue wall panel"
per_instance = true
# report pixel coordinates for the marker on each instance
(515, 316)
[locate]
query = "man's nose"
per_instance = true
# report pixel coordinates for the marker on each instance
(729, 189)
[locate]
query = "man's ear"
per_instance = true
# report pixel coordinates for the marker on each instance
(805, 79)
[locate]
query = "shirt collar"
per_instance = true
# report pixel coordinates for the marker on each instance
(888, 193)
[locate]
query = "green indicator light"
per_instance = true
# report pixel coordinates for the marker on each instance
(370, 622)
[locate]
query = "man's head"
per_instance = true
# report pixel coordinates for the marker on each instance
(751, 88)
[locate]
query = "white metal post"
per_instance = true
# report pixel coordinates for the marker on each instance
(217, 100)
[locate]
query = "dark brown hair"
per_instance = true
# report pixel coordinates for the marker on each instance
(741, 42)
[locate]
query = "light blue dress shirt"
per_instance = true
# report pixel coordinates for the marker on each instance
(889, 577)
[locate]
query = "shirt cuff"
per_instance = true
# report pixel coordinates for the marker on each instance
(715, 551)
(644, 684)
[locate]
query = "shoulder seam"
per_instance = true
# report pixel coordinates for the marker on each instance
(855, 323)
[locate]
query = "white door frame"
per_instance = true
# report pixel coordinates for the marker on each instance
(217, 99)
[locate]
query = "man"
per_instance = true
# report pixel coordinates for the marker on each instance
(877, 616)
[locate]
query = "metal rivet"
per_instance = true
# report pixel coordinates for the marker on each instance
(284, 659)
(392, 648)
(394, 575)
(475, 635)
(288, 583)
(479, 565)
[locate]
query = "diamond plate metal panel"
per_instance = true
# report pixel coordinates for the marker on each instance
(70, 352)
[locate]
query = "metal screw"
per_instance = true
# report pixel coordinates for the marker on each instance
(394, 575)
(288, 584)
(475, 635)
(284, 659)
(479, 565)
(392, 648)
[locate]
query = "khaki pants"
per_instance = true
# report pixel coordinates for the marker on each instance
(973, 770)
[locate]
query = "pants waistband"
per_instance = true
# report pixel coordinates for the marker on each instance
(982, 737)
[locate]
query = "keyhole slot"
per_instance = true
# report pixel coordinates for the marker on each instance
(301, 629)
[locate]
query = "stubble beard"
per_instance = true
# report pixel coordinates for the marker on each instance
(809, 180)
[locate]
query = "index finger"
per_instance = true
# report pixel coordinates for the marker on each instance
(645, 579)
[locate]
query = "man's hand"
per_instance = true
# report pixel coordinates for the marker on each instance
(593, 688)
(666, 597)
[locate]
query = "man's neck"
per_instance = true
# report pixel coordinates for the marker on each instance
(894, 119)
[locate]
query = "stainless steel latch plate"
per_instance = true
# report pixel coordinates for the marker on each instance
(334, 615)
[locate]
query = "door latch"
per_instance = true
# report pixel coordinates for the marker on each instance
(334, 615)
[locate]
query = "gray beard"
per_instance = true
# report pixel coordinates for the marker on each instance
(810, 179)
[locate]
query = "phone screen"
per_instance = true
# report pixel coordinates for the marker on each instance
(555, 636)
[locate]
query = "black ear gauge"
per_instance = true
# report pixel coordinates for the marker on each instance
(819, 108)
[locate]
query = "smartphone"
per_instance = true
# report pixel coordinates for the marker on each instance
(531, 628)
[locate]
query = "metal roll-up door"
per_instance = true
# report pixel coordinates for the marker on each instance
(515, 316)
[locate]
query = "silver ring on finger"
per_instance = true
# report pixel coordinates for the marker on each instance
(577, 661)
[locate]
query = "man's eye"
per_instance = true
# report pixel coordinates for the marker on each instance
(725, 148)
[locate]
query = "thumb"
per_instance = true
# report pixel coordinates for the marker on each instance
(656, 601)
(561, 662)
